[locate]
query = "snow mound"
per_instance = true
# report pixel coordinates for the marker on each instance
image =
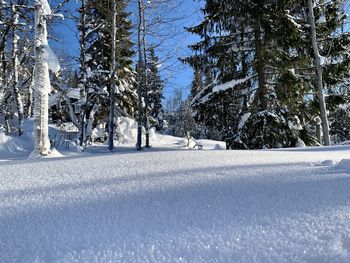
(219, 147)
(328, 163)
(53, 154)
(8, 145)
(127, 131)
(344, 164)
(212, 145)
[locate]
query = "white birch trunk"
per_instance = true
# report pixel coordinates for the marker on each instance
(145, 80)
(41, 84)
(321, 99)
(15, 62)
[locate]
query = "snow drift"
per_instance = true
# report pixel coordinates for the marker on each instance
(7, 145)
(171, 205)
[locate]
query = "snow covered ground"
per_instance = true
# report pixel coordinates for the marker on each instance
(173, 205)
(19, 148)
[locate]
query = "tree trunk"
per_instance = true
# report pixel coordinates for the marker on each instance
(15, 65)
(41, 84)
(145, 77)
(91, 119)
(113, 82)
(30, 99)
(139, 85)
(321, 99)
(83, 80)
(4, 103)
(2, 57)
(71, 111)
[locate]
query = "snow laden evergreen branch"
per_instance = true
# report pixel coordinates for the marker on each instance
(223, 87)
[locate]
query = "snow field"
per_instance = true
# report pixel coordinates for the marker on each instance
(178, 206)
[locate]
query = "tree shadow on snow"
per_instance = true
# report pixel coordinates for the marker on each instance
(128, 214)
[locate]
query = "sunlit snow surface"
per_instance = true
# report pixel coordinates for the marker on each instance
(172, 205)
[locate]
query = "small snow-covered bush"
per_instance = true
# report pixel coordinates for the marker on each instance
(267, 129)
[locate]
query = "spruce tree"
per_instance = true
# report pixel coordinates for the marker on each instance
(155, 90)
(98, 61)
(257, 59)
(236, 49)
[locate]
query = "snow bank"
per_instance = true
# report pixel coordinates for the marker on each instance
(127, 131)
(53, 153)
(344, 164)
(7, 145)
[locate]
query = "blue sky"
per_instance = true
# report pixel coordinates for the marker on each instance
(175, 74)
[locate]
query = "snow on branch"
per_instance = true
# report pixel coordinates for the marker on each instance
(231, 84)
(200, 94)
(198, 99)
(46, 7)
(292, 20)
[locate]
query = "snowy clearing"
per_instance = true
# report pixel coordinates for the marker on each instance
(170, 205)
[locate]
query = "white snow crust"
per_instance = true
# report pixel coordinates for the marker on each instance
(173, 205)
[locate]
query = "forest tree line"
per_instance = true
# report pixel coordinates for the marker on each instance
(107, 83)
(271, 73)
(267, 74)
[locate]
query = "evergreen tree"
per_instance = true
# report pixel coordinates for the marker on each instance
(98, 61)
(155, 90)
(257, 60)
(184, 124)
(333, 44)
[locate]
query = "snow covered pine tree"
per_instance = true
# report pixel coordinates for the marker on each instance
(257, 68)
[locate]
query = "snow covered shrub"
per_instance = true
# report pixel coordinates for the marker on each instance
(99, 133)
(267, 129)
(340, 124)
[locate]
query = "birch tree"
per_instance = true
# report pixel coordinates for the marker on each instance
(107, 79)
(318, 66)
(15, 65)
(145, 77)
(43, 56)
